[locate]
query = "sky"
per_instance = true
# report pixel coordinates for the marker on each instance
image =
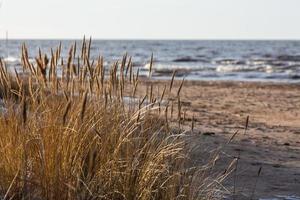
(150, 19)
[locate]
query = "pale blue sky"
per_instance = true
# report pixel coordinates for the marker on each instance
(151, 19)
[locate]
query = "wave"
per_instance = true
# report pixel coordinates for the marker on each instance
(282, 77)
(289, 58)
(229, 62)
(11, 59)
(258, 61)
(189, 59)
(236, 68)
(171, 67)
(181, 70)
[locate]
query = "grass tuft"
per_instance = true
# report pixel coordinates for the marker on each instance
(80, 137)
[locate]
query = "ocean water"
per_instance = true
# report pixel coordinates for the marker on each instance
(277, 61)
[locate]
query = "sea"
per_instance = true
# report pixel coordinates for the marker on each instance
(233, 60)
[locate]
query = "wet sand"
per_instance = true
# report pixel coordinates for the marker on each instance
(272, 140)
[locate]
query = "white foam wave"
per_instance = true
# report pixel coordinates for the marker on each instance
(256, 62)
(11, 59)
(227, 61)
(234, 68)
(269, 69)
(171, 67)
(244, 68)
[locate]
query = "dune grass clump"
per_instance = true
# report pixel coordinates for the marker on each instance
(70, 130)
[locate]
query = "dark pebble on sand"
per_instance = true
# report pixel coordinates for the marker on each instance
(208, 133)
(256, 163)
(276, 165)
(238, 149)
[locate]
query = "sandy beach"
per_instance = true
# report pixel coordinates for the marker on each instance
(150, 100)
(272, 140)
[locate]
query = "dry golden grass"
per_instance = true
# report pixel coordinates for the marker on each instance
(77, 136)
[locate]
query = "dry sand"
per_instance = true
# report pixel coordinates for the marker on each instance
(272, 140)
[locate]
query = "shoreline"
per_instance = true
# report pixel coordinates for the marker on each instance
(215, 81)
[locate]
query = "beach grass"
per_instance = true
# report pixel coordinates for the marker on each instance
(71, 129)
